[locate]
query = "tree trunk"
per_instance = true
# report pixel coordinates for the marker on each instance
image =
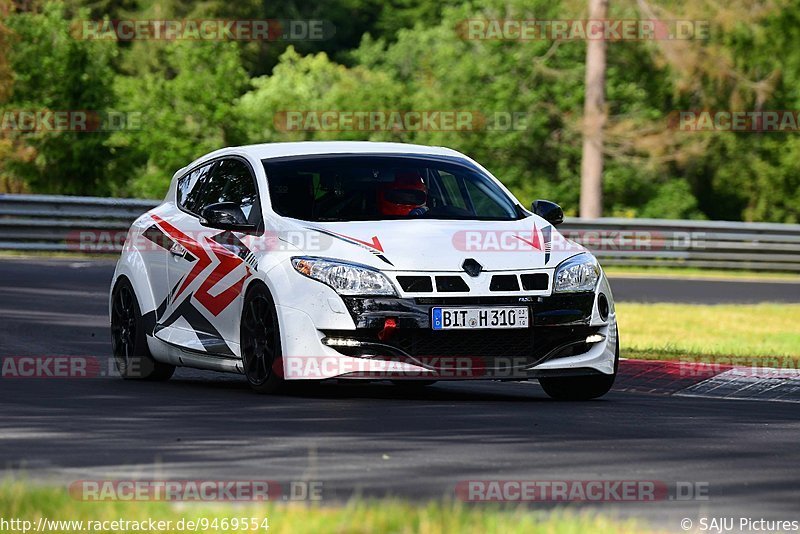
(594, 118)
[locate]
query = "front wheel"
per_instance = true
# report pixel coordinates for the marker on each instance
(578, 388)
(260, 341)
(129, 339)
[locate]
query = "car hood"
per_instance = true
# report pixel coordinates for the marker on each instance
(436, 245)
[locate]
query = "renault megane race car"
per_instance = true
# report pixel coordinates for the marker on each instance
(359, 260)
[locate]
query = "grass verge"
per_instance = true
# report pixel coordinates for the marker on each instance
(21, 501)
(768, 333)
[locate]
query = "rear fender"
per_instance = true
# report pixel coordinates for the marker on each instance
(132, 266)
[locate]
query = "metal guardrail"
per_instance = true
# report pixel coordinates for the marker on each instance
(56, 223)
(689, 243)
(89, 224)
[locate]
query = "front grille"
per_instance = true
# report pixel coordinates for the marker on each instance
(451, 284)
(468, 301)
(555, 310)
(484, 348)
(479, 344)
(528, 344)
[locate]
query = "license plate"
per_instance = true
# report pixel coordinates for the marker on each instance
(467, 318)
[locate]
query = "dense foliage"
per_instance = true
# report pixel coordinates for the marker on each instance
(193, 96)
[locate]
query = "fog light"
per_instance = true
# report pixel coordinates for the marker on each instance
(595, 338)
(341, 342)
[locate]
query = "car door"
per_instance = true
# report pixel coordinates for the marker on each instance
(173, 225)
(209, 267)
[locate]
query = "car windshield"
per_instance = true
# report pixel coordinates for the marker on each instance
(359, 188)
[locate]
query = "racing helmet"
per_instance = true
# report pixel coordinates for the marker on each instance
(405, 194)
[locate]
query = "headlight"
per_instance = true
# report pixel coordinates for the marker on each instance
(345, 278)
(579, 273)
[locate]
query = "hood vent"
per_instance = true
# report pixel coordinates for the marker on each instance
(535, 281)
(451, 284)
(415, 284)
(504, 282)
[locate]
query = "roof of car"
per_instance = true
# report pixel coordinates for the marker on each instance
(302, 148)
(277, 150)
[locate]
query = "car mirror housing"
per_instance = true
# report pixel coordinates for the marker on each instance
(549, 211)
(226, 216)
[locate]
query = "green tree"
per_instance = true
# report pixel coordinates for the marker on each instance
(184, 115)
(54, 71)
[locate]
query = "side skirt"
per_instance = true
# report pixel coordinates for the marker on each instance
(166, 352)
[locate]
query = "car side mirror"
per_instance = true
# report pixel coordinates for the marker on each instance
(226, 216)
(549, 211)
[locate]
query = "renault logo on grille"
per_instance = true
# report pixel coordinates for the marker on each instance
(472, 267)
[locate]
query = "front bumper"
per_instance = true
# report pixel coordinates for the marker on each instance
(568, 336)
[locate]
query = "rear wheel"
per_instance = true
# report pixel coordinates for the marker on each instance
(577, 388)
(129, 339)
(260, 341)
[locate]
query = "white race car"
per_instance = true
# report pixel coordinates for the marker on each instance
(357, 260)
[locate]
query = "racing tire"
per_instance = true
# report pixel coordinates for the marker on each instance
(260, 341)
(129, 339)
(581, 388)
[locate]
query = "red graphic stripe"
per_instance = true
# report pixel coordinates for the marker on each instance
(534, 242)
(203, 259)
(227, 263)
(374, 244)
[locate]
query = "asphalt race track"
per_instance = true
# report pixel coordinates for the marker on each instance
(700, 291)
(377, 439)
